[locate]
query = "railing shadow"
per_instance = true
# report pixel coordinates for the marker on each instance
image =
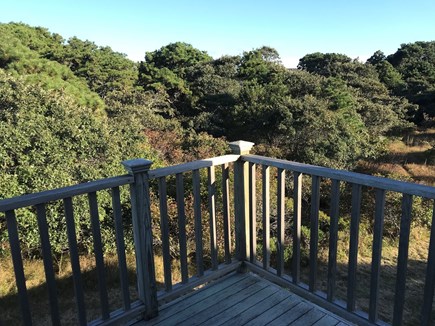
(39, 303)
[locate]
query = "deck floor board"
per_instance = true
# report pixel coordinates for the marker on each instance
(242, 299)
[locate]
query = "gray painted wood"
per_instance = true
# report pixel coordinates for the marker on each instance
(326, 321)
(309, 318)
(164, 228)
(242, 299)
(291, 315)
(198, 222)
(20, 280)
(353, 246)
(274, 312)
(333, 238)
(237, 308)
(266, 215)
(208, 309)
(337, 307)
(182, 227)
(190, 166)
(48, 263)
(98, 253)
(376, 255)
(241, 209)
(120, 248)
(143, 236)
(190, 308)
(352, 177)
(244, 317)
(297, 220)
(314, 231)
(402, 259)
(252, 211)
(211, 186)
(280, 219)
(61, 193)
(430, 277)
(226, 211)
(179, 289)
(75, 264)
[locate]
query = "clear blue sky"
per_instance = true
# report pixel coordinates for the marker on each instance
(294, 28)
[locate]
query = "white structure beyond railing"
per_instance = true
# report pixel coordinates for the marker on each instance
(246, 234)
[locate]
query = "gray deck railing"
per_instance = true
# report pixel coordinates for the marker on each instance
(244, 234)
(139, 179)
(357, 181)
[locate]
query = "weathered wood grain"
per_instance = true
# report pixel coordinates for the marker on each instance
(252, 211)
(48, 263)
(353, 246)
(333, 238)
(120, 248)
(352, 177)
(266, 215)
(75, 264)
(182, 227)
(226, 211)
(280, 218)
(314, 231)
(211, 186)
(61, 193)
(20, 280)
(98, 253)
(297, 220)
(376, 255)
(190, 166)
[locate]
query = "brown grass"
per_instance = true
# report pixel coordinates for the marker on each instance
(418, 250)
(409, 158)
(38, 297)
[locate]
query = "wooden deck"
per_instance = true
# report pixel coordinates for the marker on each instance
(243, 299)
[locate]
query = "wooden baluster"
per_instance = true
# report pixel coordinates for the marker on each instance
(98, 252)
(314, 231)
(198, 222)
(48, 263)
(353, 247)
(164, 228)
(182, 227)
(120, 248)
(333, 238)
(226, 211)
(211, 186)
(18, 266)
(280, 218)
(75, 264)
(266, 216)
(297, 218)
(430, 277)
(252, 212)
(402, 259)
(376, 255)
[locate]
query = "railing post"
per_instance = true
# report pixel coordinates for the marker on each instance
(241, 199)
(142, 232)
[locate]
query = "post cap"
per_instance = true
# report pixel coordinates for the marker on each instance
(137, 165)
(241, 147)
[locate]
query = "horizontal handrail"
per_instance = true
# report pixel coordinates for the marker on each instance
(190, 166)
(352, 177)
(65, 192)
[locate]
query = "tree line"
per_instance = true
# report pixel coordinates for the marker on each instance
(71, 111)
